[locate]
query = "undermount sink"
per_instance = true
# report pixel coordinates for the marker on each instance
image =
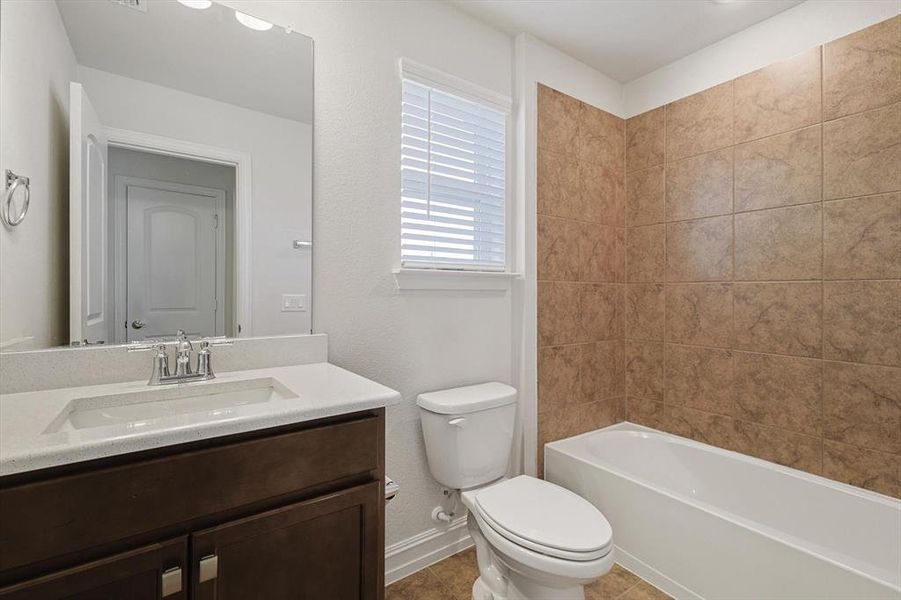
(136, 410)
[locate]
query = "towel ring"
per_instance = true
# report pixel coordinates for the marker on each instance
(13, 182)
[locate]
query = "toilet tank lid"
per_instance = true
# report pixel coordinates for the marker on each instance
(467, 399)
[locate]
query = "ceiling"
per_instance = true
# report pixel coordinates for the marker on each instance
(625, 39)
(202, 52)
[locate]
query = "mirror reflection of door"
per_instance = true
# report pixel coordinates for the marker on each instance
(174, 259)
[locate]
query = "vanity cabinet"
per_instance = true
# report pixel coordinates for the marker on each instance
(292, 512)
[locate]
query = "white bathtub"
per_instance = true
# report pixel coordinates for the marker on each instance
(702, 522)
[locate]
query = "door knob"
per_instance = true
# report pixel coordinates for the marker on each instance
(137, 324)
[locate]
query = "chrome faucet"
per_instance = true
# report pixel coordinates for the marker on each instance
(183, 373)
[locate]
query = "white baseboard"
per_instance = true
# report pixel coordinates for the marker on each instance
(424, 549)
(653, 576)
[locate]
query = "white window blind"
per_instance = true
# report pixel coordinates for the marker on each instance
(453, 181)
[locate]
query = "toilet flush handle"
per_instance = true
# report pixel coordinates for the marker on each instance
(458, 422)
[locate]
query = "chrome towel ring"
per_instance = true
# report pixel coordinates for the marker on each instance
(14, 182)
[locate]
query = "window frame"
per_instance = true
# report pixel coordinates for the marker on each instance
(459, 275)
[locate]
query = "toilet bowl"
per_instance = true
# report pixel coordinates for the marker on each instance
(534, 540)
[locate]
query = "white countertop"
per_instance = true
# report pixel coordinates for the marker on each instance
(322, 390)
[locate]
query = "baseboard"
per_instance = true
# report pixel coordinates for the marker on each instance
(653, 576)
(424, 549)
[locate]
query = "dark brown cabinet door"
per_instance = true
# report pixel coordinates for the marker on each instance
(135, 575)
(325, 548)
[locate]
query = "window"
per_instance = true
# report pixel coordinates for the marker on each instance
(453, 175)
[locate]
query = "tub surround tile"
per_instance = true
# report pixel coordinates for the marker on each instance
(645, 412)
(862, 321)
(702, 426)
(645, 139)
(601, 136)
(644, 369)
(558, 249)
(645, 196)
(780, 97)
(862, 238)
(864, 468)
(699, 250)
(779, 244)
(781, 391)
(645, 248)
(700, 378)
(782, 170)
(601, 413)
(862, 405)
(645, 309)
(601, 255)
(863, 70)
(699, 314)
(559, 319)
(559, 381)
(602, 311)
(558, 125)
(782, 447)
(862, 153)
(559, 187)
(602, 194)
(782, 318)
(602, 372)
(700, 186)
(699, 123)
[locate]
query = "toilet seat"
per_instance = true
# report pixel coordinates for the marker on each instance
(545, 518)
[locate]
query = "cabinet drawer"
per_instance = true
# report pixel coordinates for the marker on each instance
(52, 518)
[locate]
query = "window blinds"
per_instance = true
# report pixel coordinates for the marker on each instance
(453, 181)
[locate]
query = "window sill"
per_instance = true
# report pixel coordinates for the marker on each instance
(441, 279)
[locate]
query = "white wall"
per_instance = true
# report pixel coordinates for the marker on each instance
(799, 28)
(280, 151)
(411, 341)
(36, 66)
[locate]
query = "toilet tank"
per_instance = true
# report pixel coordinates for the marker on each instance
(468, 433)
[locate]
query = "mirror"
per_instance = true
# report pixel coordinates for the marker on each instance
(168, 150)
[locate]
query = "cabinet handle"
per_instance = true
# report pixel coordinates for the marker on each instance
(209, 568)
(170, 582)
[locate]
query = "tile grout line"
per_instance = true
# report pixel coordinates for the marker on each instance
(822, 391)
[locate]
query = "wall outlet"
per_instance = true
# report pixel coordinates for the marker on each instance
(294, 302)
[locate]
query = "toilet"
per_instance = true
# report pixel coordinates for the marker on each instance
(534, 540)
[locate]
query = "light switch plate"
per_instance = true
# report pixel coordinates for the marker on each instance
(294, 302)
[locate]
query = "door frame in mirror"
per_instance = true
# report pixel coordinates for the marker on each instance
(241, 161)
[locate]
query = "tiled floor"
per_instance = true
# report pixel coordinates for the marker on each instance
(452, 579)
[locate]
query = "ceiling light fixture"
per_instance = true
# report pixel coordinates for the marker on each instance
(252, 22)
(196, 4)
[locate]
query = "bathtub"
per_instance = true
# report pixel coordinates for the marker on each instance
(701, 522)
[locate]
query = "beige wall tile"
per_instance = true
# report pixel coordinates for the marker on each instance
(782, 391)
(862, 405)
(781, 170)
(700, 186)
(601, 253)
(645, 253)
(558, 121)
(862, 238)
(868, 469)
(699, 123)
(559, 383)
(862, 321)
(863, 70)
(862, 153)
(702, 426)
(780, 97)
(699, 250)
(601, 413)
(558, 249)
(644, 196)
(644, 370)
(603, 374)
(559, 187)
(602, 311)
(645, 306)
(782, 447)
(601, 136)
(783, 318)
(700, 378)
(699, 314)
(779, 243)
(645, 139)
(559, 320)
(603, 194)
(645, 412)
